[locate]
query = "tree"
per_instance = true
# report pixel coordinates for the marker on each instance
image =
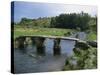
(71, 21)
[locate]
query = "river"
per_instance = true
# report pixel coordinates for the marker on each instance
(28, 61)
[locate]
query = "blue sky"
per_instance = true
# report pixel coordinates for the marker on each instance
(35, 10)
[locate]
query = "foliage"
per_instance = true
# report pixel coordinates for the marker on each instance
(85, 59)
(79, 21)
(30, 23)
(93, 24)
(92, 36)
(71, 21)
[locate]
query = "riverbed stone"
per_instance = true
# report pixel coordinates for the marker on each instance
(92, 43)
(82, 45)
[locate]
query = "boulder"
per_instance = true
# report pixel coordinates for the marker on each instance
(92, 43)
(82, 45)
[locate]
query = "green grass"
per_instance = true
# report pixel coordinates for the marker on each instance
(92, 36)
(40, 31)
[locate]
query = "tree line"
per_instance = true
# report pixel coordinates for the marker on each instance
(80, 21)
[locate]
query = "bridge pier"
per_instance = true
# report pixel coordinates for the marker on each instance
(28, 41)
(21, 41)
(56, 47)
(33, 40)
(39, 41)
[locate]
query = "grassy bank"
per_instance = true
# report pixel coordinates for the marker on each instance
(41, 31)
(92, 36)
(85, 59)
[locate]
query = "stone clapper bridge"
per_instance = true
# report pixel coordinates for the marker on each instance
(38, 40)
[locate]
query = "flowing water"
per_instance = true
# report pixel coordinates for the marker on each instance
(28, 61)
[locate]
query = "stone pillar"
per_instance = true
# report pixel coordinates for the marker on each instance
(28, 41)
(39, 41)
(21, 41)
(33, 40)
(57, 48)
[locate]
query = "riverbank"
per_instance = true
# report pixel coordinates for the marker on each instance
(91, 36)
(84, 57)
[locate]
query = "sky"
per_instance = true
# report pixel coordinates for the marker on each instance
(35, 10)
